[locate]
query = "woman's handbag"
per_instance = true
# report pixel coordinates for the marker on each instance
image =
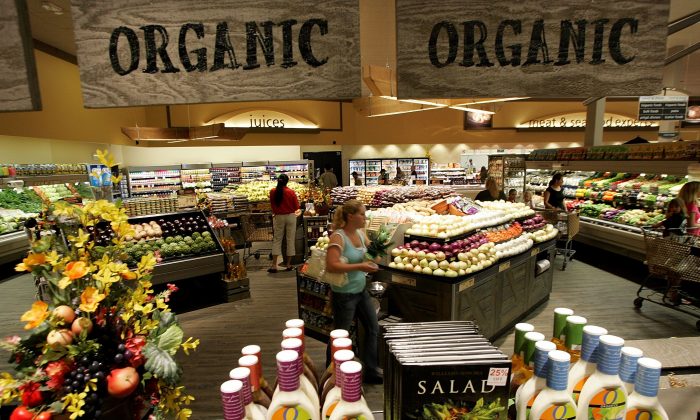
(335, 279)
(316, 268)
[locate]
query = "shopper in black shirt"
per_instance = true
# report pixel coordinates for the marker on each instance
(491, 193)
(554, 195)
(675, 218)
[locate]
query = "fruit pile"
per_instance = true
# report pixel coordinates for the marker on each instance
(56, 192)
(101, 233)
(217, 223)
(150, 230)
(449, 260)
(543, 235)
(513, 246)
(534, 223)
(321, 243)
(505, 233)
(260, 190)
(172, 247)
(386, 196)
(513, 210)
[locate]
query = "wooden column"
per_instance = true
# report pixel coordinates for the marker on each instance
(595, 118)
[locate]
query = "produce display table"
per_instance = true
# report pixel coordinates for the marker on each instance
(13, 246)
(495, 298)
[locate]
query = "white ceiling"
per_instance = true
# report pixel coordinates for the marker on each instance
(57, 31)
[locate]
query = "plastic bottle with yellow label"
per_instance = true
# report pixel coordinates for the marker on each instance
(604, 396)
(554, 401)
(644, 403)
(585, 367)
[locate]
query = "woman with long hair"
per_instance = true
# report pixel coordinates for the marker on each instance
(491, 193)
(349, 240)
(690, 194)
(554, 195)
(285, 209)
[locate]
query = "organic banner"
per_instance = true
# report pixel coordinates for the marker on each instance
(132, 52)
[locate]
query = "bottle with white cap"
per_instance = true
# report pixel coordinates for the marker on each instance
(559, 329)
(585, 367)
(574, 336)
(309, 371)
(351, 405)
(290, 401)
(528, 391)
(231, 400)
(337, 345)
(305, 384)
(299, 323)
(339, 333)
(260, 398)
(333, 396)
(254, 350)
(252, 412)
(529, 348)
(628, 366)
(604, 395)
(520, 373)
(554, 401)
(644, 403)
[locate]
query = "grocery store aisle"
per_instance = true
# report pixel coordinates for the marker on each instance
(223, 329)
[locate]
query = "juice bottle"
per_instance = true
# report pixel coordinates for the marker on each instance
(528, 391)
(290, 401)
(309, 370)
(231, 400)
(252, 412)
(306, 386)
(338, 344)
(604, 396)
(560, 315)
(339, 333)
(628, 366)
(585, 367)
(259, 396)
(299, 323)
(644, 403)
(520, 373)
(574, 336)
(554, 401)
(254, 350)
(351, 405)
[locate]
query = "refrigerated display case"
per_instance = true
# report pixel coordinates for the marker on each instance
(449, 176)
(298, 171)
(196, 175)
(154, 181)
(254, 171)
(359, 167)
(422, 166)
(223, 174)
(373, 166)
(509, 172)
(390, 165)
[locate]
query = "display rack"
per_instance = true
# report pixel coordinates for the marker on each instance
(508, 171)
(445, 175)
(359, 167)
(13, 246)
(196, 175)
(314, 226)
(373, 168)
(223, 174)
(297, 171)
(163, 181)
(369, 169)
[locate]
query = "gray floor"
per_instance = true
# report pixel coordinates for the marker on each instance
(604, 299)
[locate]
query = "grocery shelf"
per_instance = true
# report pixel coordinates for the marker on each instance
(671, 167)
(314, 310)
(309, 292)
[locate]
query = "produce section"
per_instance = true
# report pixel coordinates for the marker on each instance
(386, 196)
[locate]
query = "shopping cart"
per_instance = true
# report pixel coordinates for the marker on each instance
(257, 227)
(673, 259)
(567, 223)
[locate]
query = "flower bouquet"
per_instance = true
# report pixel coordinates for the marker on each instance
(100, 336)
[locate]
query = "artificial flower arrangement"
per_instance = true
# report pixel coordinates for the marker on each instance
(100, 337)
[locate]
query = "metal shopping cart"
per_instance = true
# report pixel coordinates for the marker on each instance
(671, 259)
(257, 227)
(568, 225)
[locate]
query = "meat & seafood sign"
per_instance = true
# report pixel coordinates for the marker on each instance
(132, 52)
(537, 48)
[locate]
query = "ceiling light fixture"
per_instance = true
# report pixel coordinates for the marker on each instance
(422, 102)
(464, 108)
(53, 8)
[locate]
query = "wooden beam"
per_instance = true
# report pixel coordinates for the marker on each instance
(375, 106)
(206, 132)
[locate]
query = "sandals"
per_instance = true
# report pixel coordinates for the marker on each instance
(271, 270)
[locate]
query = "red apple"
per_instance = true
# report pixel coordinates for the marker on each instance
(122, 382)
(59, 338)
(21, 413)
(81, 324)
(65, 312)
(45, 415)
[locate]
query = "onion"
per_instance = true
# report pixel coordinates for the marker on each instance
(424, 245)
(434, 247)
(415, 244)
(447, 248)
(448, 255)
(407, 245)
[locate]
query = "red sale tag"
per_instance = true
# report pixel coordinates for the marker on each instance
(498, 376)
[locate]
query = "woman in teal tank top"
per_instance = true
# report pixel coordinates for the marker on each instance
(352, 300)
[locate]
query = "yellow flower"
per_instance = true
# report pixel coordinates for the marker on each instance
(30, 262)
(128, 275)
(106, 276)
(147, 263)
(76, 269)
(36, 315)
(90, 299)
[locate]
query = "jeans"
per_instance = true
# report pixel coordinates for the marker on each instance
(348, 305)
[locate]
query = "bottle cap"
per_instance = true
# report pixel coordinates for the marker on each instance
(341, 344)
(295, 333)
(647, 380)
(558, 370)
(542, 349)
(351, 372)
(340, 357)
(231, 400)
(287, 370)
(530, 339)
(574, 330)
(628, 365)
(252, 363)
(560, 315)
(520, 330)
(294, 323)
(251, 350)
(243, 374)
(609, 354)
(591, 339)
(339, 333)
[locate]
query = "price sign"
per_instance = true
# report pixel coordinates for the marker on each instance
(466, 284)
(498, 376)
(406, 281)
(534, 252)
(503, 267)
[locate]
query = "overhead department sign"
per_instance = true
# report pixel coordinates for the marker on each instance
(132, 52)
(538, 48)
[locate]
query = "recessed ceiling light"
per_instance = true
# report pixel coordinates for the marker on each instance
(51, 7)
